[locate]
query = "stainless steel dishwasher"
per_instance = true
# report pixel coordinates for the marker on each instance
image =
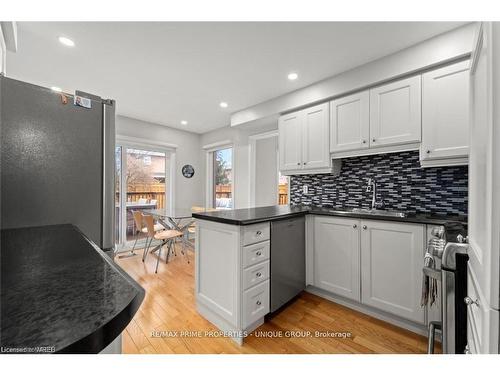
(288, 260)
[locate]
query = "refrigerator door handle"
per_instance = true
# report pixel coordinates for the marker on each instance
(108, 175)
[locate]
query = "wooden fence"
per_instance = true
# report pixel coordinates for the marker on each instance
(146, 191)
(223, 191)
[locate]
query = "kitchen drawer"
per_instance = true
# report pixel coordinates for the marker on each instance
(256, 253)
(256, 233)
(255, 303)
(255, 274)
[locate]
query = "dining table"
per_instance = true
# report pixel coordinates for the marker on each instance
(178, 219)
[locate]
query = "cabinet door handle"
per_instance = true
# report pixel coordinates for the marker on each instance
(258, 274)
(428, 151)
(258, 233)
(373, 140)
(354, 226)
(298, 163)
(304, 163)
(364, 227)
(469, 301)
(364, 140)
(258, 303)
(258, 253)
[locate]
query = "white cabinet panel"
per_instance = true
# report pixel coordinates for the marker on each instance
(290, 141)
(395, 113)
(336, 256)
(219, 256)
(445, 112)
(315, 137)
(350, 122)
(482, 320)
(391, 267)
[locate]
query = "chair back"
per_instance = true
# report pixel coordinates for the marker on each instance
(153, 201)
(150, 224)
(142, 201)
(137, 220)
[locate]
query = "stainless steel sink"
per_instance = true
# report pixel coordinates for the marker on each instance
(376, 211)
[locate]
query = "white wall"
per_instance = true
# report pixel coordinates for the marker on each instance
(429, 53)
(3, 53)
(241, 156)
(188, 191)
(266, 171)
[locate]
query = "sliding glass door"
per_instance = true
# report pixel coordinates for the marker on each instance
(141, 183)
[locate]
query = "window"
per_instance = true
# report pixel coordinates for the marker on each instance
(223, 179)
(283, 182)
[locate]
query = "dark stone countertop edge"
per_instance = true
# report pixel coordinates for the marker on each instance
(418, 219)
(104, 335)
(98, 340)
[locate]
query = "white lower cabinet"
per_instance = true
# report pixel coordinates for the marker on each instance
(376, 263)
(391, 267)
(336, 256)
(232, 270)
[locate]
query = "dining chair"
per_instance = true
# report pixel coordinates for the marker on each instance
(192, 228)
(167, 237)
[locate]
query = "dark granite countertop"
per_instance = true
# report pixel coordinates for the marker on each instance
(246, 216)
(59, 290)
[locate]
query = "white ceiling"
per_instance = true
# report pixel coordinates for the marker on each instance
(167, 72)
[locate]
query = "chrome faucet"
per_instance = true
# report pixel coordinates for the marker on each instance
(372, 187)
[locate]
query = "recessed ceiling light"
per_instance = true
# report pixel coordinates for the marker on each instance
(184, 122)
(66, 41)
(293, 76)
(56, 89)
(223, 104)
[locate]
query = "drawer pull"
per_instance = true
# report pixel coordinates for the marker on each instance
(354, 226)
(258, 233)
(258, 303)
(469, 301)
(258, 274)
(364, 227)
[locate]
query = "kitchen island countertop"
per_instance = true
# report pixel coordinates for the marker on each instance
(61, 293)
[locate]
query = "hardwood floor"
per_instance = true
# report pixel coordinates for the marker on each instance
(168, 312)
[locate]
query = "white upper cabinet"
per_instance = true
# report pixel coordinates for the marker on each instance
(350, 122)
(395, 113)
(304, 140)
(315, 133)
(391, 267)
(290, 141)
(445, 112)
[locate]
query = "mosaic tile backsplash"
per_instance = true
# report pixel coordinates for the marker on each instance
(401, 184)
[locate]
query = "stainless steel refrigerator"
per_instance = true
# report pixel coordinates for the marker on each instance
(57, 160)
